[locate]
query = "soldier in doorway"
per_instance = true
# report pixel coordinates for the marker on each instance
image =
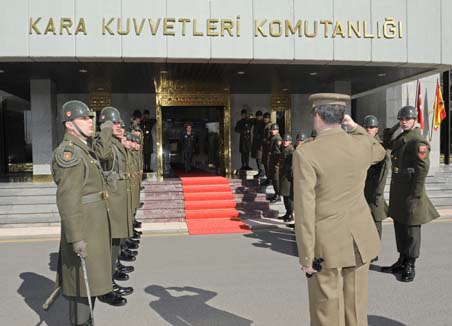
(258, 140)
(189, 146)
(301, 137)
(83, 208)
(266, 147)
(376, 179)
(148, 143)
(243, 126)
(285, 177)
(409, 205)
(273, 165)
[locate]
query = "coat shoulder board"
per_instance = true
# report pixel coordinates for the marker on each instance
(67, 155)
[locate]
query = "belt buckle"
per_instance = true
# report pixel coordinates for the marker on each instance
(104, 195)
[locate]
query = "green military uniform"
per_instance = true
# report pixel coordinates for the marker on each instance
(285, 180)
(243, 127)
(374, 190)
(273, 164)
(409, 205)
(266, 147)
(258, 141)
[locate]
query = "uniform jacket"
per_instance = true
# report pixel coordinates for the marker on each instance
(410, 164)
(266, 145)
(243, 126)
(84, 216)
(258, 138)
(331, 213)
(285, 171)
(275, 151)
(375, 186)
(148, 142)
(189, 143)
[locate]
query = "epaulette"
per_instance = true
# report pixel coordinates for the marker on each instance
(67, 155)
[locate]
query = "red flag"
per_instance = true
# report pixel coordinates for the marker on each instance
(420, 114)
(439, 111)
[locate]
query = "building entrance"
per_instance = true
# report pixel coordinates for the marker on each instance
(207, 124)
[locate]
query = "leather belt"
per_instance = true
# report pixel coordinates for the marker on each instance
(396, 170)
(95, 197)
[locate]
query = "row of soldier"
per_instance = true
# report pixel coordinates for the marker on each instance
(98, 178)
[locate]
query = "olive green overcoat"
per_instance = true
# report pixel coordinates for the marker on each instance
(285, 171)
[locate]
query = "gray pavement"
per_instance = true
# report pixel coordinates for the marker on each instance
(237, 279)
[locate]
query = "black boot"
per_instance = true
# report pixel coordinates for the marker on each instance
(112, 299)
(137, 232)
(284, 217)
(129, 252)
(397, 267)
(266, 183)
(120, 276)
(133, 241)
(275, 199)
(409, 271)
(137, 224)
(141, 204)
(124, 269)
(289, 217)
(122, 290)
(126, 257)
(136, 235)
(131, 245)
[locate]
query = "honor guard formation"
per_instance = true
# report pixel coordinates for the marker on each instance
(331, 183)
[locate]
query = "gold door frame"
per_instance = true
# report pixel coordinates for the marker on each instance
(185, 93)
(282, 103)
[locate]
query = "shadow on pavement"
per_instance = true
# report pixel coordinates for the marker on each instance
(282, 241)
(36, 288)
(190, 307)
(382, 321)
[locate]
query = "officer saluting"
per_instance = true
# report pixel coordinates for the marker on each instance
(376, 179)
(85, 226)
(409, 205)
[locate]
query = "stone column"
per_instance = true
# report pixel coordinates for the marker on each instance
(43, 128)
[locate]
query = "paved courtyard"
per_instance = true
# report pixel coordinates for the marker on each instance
(251, 279)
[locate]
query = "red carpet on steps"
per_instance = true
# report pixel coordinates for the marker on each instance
(210, 206)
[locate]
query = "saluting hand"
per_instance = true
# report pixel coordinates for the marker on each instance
(348, 122)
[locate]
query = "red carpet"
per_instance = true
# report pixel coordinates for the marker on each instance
(210, 206)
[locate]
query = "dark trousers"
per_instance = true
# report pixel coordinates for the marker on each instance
(288, 204)
(245, 157)
(79, 313)
(408, 239)
(187, 161)
(379, 228)
(147, 162)
(260, 166)
(115, 251)
(275, 182)
(213, 154)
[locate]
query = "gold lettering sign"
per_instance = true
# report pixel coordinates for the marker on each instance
(389, 28)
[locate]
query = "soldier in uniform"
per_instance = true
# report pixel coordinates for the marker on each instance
(285, 177)
(266, 146)
(148, 144)
(409, 205)
(258, 140)
(114, 165)
(189, 143)
(376, 179)
(243, 126)
(273, 162)
(301, 137)
(85, 223)
(332, 219)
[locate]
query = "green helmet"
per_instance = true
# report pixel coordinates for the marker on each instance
(75, 109)
(274, 126)
(370, 121)
(110, 113)
(301, 136)
(287, 138)
(407, 112)
(129, 136)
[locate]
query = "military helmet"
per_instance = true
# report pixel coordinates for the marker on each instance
(407, 112)
(110, 113)
(129, 136)
(287, 138)
(258, 113)
(370, 121)
(301, 136)
(267, 115)
(274, 126)
(75, 109)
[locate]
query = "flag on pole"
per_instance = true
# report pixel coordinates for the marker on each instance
(439, 111)
(420, 115)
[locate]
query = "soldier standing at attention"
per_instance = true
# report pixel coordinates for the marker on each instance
(258, 140)
(148, 143)
(285, 177)
(243, 126)
(266, 146)
(115, 172)
(301, 137)
(409, 205)
(82, 205)
(332, 219)
(376, 179)
(273, 164)
(189, 143)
